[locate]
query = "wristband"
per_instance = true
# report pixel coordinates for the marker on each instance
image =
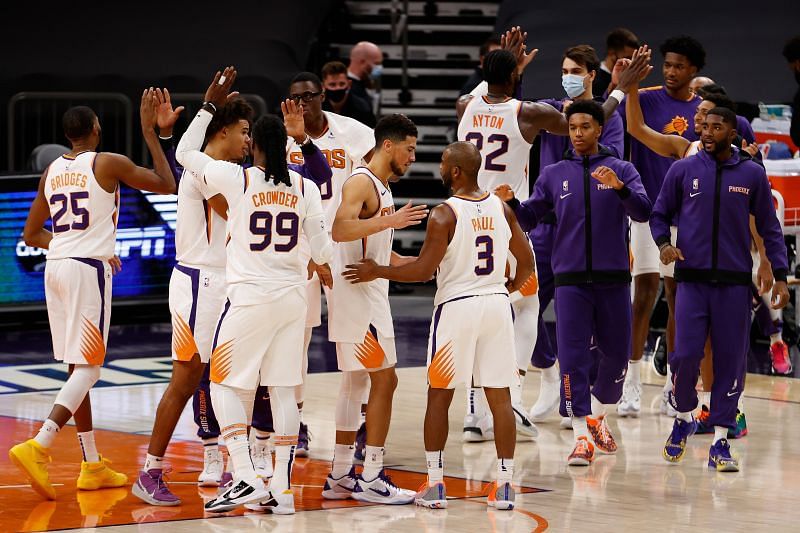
(617, 95)
(306, 141)
(212, 106)
(168, 138)
(664, 245)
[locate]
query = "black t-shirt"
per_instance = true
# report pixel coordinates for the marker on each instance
(354, 107)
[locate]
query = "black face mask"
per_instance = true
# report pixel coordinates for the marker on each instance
(335, 95)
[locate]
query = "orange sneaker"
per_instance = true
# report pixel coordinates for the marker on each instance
(601, 435)
(582, 454)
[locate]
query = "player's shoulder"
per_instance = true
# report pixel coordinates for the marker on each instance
(651, 91)
(341, 121)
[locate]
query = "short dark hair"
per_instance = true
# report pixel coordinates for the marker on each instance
(493, 39)
(584, 55)
(687, 46)
(232, 112)
(498, 66)
(711, 88)
(719, 100)
(395, 127)
(728, 116)
(333, 68)
(307, 76)
(620, 38)
(78, 122)
(269, 135)
(791, 50)
(590, 107)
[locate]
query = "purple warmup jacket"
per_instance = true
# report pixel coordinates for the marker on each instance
(591, 237)
(554, 146)
(713, 202)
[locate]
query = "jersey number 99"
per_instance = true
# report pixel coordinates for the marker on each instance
(287, 225)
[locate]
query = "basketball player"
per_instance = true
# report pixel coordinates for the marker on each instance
(259, 336)
(714, 274)
(360, 320)
(668, 109)
(592, 193)
(80, 192)
(468, 240)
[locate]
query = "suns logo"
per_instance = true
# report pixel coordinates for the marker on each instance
(695, 184)
(678, 125)
(565, 185)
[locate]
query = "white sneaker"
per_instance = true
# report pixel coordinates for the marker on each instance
(212, 469)
(524, 425)
(478, 429)
(566, 423)
(240, 493)
(340, 488)
(547, 402)
(276, 503)
(631, 402)
(666, 407)
(262, 461)
(382, 490)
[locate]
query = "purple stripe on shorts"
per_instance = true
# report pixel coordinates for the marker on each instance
(436, 316)
(219, 324)
(101, 284)
(193, 273)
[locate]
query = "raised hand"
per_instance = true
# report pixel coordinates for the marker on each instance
(751, 149)
(637, 70)
(361, 272)
(147, 110)
(607, 177)
(513, 40)
(504, 192)
(218, 93)
(408, 215)
(293, 120)
(166, 117)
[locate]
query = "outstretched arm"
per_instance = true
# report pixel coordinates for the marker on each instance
(315, 167)
(673, 146)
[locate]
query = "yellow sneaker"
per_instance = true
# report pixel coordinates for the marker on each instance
(99, 476)
(32, 458)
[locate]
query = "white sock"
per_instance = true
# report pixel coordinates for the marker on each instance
(516, 390)
(579, 427)
(720, 433)
(153, 463)
(505, 470)
(284, 457)
(211, 444)
(551, 374)
(435, 461)
(47, 433)
(86, 440)
(373, 462)
(342, 460)
(239, 454)
(705, 399)
(668, 383)
(775, 337)
(598, 408)
(740, 404)
(686, 417)
(635, 372)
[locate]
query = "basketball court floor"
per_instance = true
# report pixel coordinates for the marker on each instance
(635, 490)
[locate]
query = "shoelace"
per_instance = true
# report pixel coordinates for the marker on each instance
(582, 447)
(386, 479)
(161, 479)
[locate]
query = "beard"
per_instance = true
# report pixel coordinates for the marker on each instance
(719, 147)
(396, 169)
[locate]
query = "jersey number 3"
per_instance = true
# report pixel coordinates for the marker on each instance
(287, 224)
(485, 246)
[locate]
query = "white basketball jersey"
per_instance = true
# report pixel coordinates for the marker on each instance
(357, 306)
(475, 260)
(84, 215)
(694, 147)
(494, 129)
(200, 231)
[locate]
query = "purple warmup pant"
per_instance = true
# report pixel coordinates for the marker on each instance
(206, 420)
(544, 355)
(763, 316)
(602, 310)
(725, 310)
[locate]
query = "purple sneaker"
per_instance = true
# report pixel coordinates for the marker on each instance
(303, 438)
(225, 483)
(151, 488)
(361, 443)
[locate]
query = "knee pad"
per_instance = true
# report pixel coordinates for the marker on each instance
(285, 417)
(353, 392)
(228, 405)
(77, 386)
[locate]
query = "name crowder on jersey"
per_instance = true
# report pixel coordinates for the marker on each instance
(487, 121)
(69, 179)
(483, 224)
(275, 198)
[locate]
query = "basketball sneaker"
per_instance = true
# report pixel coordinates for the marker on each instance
(382, 490)
(99, 475)
(262, 460)
(432, 496)
(720, 458)
(340, 488)
(303, 438)
(582, 454)
(361, 443)
(276, 503)
(631, 402)
(781, 360)
(741, 427)
(212, 468)
(524, 425)
(96, 505)
(601, 435)
(501, 496)
(666, 407)
(32, 458)
(239, 493)
(547, 402)
(703, 427)
(675, 446)
(659, 358)
(151, 487)
(478, 428)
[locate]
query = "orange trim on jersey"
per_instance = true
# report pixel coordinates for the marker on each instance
(246, 179)
(441, 370)
(482, 198)
(73, 158)
(363, 247)
(327, 127)
(221, 362)
(370, 353)
(93, 347)
(531, 286)
(653, 88)
(183, 343)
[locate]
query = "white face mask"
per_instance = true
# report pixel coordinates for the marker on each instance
(573, 84)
